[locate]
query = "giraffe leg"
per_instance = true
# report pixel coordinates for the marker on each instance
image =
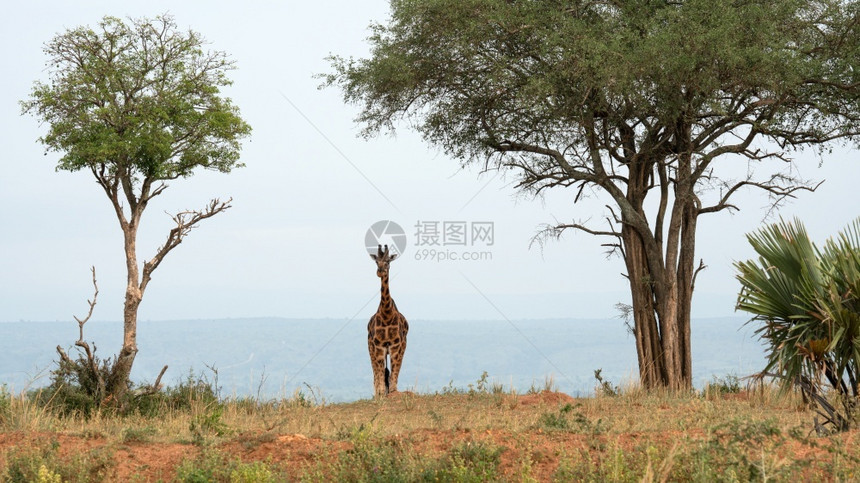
(396, 361)
(377, 362)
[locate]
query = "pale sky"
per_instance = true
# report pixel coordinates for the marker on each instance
(293, 243)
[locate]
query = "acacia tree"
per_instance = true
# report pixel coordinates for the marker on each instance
(138, 104)
(640, 101)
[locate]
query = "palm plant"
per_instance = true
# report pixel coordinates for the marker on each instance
(808, 303)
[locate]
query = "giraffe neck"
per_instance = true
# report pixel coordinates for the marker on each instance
(386, 303)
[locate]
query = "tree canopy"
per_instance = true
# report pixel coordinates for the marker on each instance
(476, 74)
(139, 97)
(635, 99)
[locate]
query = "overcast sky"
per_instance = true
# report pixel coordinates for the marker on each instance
(293, 243)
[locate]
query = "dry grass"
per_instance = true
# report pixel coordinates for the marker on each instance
(484, 433)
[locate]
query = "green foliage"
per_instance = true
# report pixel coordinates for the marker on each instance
(740, 451)
(486, 76)
(194, 390)
(372, 460)
(74, 391)
(75, 388)
(481, 387)
(469, 461)
(605, 388)
(730, 384)
(208, 422)
(375, 460)
(5, 404)
(255, 472)
(807, 302)
(138, 97)
(138, 435)
(213, 465)
(566, 419)
(44, 464)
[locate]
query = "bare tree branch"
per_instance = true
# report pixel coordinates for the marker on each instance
(92, 363)
(701, 267)
(185, 222)
(155, 387)
(778, 192)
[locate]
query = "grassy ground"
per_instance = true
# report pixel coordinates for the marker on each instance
(484, 433)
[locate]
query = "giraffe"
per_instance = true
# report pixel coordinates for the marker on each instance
(386, 332)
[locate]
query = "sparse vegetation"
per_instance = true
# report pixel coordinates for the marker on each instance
(604, 387)
(479, 433)
(45, 463)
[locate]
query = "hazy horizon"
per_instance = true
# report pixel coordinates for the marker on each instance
(273, 357)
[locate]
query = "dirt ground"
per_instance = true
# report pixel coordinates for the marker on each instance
(158, 461)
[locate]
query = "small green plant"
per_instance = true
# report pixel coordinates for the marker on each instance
(470, 461)
(436, 418)
(138, 435)
(45, 464)
(566, 419)
(481, 386)
(548, 386)
(357, 434)
(5, 404)
(208, 423)
(730, 384)
(47, 476)
(451, 390)
(255, 472)
(556, 420)
(740, 451)
(372, 460)
(605, 388)
(299, 399)
(212, 465)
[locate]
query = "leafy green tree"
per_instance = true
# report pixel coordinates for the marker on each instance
(639, 101)
(807, 301)
(138, 104)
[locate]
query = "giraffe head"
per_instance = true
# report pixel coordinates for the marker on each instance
(382, 259)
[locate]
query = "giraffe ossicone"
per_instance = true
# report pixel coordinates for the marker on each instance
(386, 331)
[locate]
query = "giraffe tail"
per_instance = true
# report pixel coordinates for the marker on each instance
(387, 374)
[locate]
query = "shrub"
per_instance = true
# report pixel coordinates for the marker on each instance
(807, 301)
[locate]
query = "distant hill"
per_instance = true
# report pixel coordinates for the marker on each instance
(273, 357)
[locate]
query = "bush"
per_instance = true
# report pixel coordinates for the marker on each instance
(807, 301)
(44, 464)
(730, 384)
(75, 387)
(214, 466)
(5, 404)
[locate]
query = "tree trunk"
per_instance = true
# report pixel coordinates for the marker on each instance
(121, 373)
(648, 350)
(661, 289)
(662, 335)
(686, 274)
